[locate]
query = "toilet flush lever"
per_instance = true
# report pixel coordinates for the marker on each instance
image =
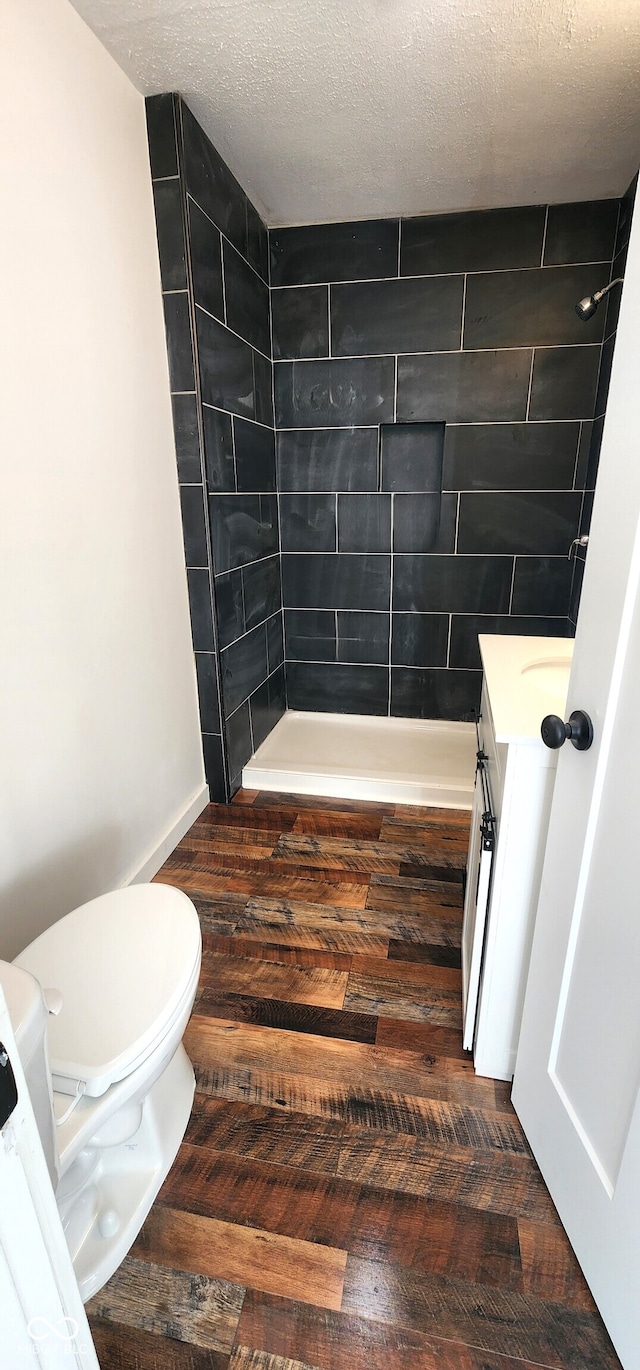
(53, 1000)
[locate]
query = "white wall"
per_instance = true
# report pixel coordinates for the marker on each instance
(100, 752)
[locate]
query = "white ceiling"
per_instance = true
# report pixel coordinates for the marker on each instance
(348, 109)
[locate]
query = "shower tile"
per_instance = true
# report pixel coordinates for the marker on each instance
(334, 252)
(531, 308)
(564, 382)
(161, 132)
(364, 523)
(586, 434)
(424, 523)
(206, 261)
(185, 428)
(322, 580)
(179, 349)
(167, 201)
(267, 707)
(243, 667)
(218, 450)
(604, 378)
(420, 639)
(308, 523)
(243, 528)
(451, 584)
(519, 521)
(211, 184)
(433, 693)
(200, 610)
(337, 688)
(479, 241)
(263, 387)
(576, 589)
(275, 643)
(464, 387)
(326, 459)
(226, 367)
(584, 232)
(257, 242)
(510, 456)
(421, 315)
(229, 607)
(411, 456)
(193, 527)
(363, 637)
(334, 393)
(464, 651)
(614, 299)
(247, 300)
(262, 590)
(255, 456)
(208, 692)
(542, 585)
(594, 454)
(310, 634)
(239, 742)
(300, 322)
(214, 768)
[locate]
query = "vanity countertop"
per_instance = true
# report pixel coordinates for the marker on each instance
(526, 678)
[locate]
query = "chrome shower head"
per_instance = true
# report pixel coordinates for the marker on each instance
(586, 308)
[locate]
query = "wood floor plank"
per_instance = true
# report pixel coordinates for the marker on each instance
(336, 1341)
(179, 1303)
(245, 1358)
(149, 1351)
(313, 957)
(296, 935)
(259, 862)
(269, 980)
(257, 884)
(255, 815)
(550, 1269)
(293, 803)
(243, 796)
(344, 854)
(428, 953)
(266, 1134)
(503, 1322)
(329, 916)
(212, 836)
(384, 997)
(454, 1174)
(424, 1038)
(363, 826)
(287, 1016)
(439, 835)
(423, 975)
(262, 1260)
(433, 898)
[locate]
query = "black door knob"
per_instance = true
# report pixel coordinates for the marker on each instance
(579, 730)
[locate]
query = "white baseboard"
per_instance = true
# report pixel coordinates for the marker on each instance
(151, 865)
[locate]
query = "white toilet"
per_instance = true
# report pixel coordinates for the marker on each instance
(99, 1003)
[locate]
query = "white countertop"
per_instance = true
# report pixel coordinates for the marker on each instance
(526, 678)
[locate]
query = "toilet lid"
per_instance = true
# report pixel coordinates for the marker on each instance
(123, 963)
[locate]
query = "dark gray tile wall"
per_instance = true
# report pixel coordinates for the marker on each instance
(214, 267)
(434, 402)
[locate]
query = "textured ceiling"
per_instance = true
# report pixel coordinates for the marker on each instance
(347, 109)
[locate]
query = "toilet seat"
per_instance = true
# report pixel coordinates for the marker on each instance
(126, 965)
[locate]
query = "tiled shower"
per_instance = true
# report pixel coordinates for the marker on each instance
(384, 432)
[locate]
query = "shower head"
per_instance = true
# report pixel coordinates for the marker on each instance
(586, 308)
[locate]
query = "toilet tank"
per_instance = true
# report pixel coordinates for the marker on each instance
(28, 1014)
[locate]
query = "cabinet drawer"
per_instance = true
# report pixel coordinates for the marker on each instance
(496, 752)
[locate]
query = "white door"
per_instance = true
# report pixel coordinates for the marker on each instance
(43, 1319)
(577, 1080)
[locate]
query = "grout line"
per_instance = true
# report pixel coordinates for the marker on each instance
(399, 247)
(464, 305)
(224, 283)
(575, 466)
(236, 335)
(533, 357)
(224, 237)
(429, 352)
(513, 577)
(544, 236)
(382, 666)
(391, 602)
(395, 389)
(448, 659)
(329, 337)
(455, 536)
(336, 539)
(434, 275)
(369, 427)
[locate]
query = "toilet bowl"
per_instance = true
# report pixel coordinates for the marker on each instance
(99, 1004)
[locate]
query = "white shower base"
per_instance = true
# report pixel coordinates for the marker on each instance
(348, 756)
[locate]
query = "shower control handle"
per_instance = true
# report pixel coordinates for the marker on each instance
(579, 730)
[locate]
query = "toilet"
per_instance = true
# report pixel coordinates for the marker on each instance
(99, 1004)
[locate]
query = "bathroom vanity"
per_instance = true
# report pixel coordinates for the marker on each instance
(525, 678)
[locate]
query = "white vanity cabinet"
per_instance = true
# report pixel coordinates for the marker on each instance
(510, 817)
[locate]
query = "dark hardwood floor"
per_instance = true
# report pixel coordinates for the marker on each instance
(349, 1195)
